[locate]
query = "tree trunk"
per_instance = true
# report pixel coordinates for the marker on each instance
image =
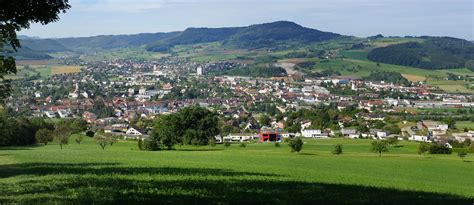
(61, 145)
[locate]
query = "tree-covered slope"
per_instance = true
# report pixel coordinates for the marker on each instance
(43, 45)
(266, 35)
(432, 53)
(112, 41)
(272, 34)
(193, 36)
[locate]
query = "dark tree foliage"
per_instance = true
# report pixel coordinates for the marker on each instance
(101, 110)
(20, 131)
(17, 15)
(432, 53)
(439, 149)
(193, 124)
(388, 77)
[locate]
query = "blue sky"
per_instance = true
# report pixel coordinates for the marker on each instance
(350, 17)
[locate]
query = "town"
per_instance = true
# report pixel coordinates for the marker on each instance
(117, 96)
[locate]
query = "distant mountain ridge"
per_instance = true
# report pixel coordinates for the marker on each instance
(250, 37)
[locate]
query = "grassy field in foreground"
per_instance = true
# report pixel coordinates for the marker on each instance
(257, 174)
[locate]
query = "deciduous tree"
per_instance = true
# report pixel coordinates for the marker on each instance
(379, 146)
(15, 16)
(44, 136)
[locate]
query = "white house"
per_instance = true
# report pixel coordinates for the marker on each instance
(419, 138)
(218, 139)
(313, 134)
(240, 137)
(64, 113)
(134, 131)
(305, 124)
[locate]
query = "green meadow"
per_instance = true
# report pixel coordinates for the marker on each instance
(256, 174)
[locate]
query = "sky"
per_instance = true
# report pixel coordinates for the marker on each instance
(360, 18)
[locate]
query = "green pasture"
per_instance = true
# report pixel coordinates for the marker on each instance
(256, 174)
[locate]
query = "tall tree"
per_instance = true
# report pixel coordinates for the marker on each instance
(379, 146)
(61, 134)
(44, 136)
(15, 16)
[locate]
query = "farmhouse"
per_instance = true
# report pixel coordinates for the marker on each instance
(432, 125)
(134, 131)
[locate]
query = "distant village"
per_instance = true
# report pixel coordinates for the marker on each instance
(116, 95)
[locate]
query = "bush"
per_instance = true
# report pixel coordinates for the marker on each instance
(422, 148)
(243, 144)
(462, 154)
(44, 136)
(90, 133)
(212, 142)
(337, 149)
(150, 145)
(226, 144)
(439, 149)
(277, 144)
(296, 144)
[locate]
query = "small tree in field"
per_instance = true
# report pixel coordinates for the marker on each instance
(212, 142)
(112, 138)
(227, 144)
(243, 144)
(392, 141)
(379, 146)
(102, 140)
(422, 148)
(337, 149)
(61, 134)
(79, 138)
(296, 144)
(462, 154)
(44, 136)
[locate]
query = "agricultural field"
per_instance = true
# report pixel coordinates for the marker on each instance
(65, 69)
(465, 124)
(45, 68)
(256, 174)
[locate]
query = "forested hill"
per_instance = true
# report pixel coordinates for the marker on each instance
(272, 34)
(432, 53)
(104, 42)
(193, 36)
(269, 35)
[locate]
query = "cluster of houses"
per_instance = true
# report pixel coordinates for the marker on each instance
(435, 131)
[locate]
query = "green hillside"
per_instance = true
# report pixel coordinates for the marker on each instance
(432, 53)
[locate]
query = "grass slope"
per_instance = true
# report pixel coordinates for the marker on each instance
(257, 174)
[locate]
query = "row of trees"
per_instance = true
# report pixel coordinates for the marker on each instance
(20, 131)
